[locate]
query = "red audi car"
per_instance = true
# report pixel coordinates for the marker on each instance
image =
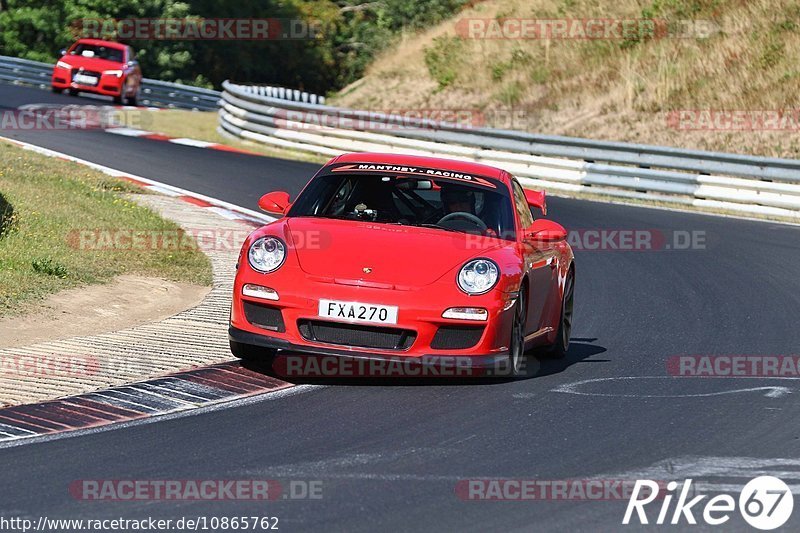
(402, 256)
(99, 67)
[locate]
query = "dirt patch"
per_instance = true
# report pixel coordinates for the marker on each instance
(126, 302)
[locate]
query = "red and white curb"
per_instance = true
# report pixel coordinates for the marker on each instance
(175, 393)
(139, 108)
(178, 394)
(144, 134)
(224, 209)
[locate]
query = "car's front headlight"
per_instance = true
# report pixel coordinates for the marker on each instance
(115, 73)
(478, 276)
(267, 254)
(63, 64)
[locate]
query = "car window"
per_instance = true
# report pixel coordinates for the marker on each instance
(436, 203)
(97, 51)
(524, 210)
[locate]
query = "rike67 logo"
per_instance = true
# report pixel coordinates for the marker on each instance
(765, 503)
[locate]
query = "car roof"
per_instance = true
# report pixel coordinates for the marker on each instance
(466, 167)
(100, 42)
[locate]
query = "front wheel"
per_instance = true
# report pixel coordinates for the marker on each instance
(559, 349)
(516, 345)
(56, 90)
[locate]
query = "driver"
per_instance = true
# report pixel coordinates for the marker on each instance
(457, 199)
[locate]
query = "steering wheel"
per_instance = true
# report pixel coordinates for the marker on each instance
(466, 216)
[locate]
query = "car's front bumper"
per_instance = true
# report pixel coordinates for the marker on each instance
(305, 361)
(264, 341)
(420, 318)
(107, 85)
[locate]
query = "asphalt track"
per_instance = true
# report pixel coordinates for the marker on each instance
(389, 455)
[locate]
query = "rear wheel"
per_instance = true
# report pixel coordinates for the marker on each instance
(561, 346)
(248, 352)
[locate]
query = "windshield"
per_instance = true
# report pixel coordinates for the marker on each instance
(436, 203)
(100, 52)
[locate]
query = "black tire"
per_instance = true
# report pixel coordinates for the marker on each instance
(132, 100)
(56, 90)
(515, 366)
(118, 100)
(561, 346)
(73, 92)
(256, 354)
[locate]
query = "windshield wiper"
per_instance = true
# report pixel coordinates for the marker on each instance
(434, 226)
(335, 217)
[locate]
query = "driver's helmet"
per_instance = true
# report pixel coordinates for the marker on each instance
(457, 198)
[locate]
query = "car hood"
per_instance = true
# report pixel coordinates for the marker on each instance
(398, 257)
(91, 63)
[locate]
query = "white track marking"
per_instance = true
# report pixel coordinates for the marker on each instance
(164, 190)
(128, 132)
(225, 213)
(191, 142)
(161, 187)
(572, 388)
(716, 474)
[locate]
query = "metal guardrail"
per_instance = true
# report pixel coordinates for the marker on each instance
(153, 92)
(282, 93)
(745, 184)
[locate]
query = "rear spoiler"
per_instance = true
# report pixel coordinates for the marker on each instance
(536, 199)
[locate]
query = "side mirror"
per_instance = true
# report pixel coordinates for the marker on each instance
(276, 202)
(536, 199)
(544, 230)
(62, 52)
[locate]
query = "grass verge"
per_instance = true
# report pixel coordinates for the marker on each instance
(47, 203)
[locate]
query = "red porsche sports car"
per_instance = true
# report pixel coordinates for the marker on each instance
(99, 67)
(402, 256)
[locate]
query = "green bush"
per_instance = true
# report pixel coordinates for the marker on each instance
(346, 36)
(50, 267)
(6, 216)
(443, 58)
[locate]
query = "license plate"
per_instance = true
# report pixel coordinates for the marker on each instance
(358, 312)
(83, 79)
